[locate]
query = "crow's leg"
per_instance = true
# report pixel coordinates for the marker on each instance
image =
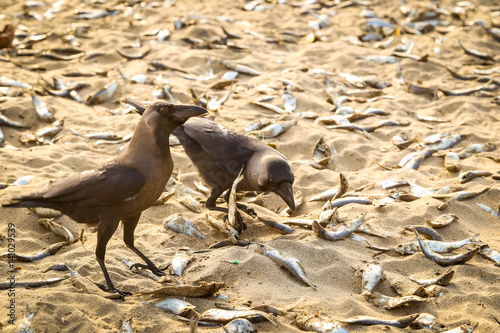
(105, 230)
(129, 225)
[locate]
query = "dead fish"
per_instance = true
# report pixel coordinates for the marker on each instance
(437, 246)
(181, 260)
(34, 284)
(225, 228)
(126, 327)
(339, 202)
(476, 148)
(240, 325)
(366, 113)
(58, 230)
(402, 141)
(289, 102)
(372, 274)
(6, 82)
(49, 131)
(319, 324)
(476, 53)
(102, 95)
(176, 306)
(465, 91)
(421, 90)
(282, 259)
(321, 152)
(466, 176)
(401, 322)
(389, 303)
(451, 161)
(224, 316)
(241, 68)
(426, 320)
(48, 251)
(445, 261)
(256, 125)
(489, 254)
(340, 232)
(41, 110)
(426, 231)
(461, 195)
(180, 224)
(381, 59)
(58, 267)
(447, 142)
(271, 107)
(303, 223)
(465, 328)
(100, 135)
(134, 56)
(202, 188)
(136, 269)
(442, 280)
(190, 203)
(392, 183)
(276, 225)
(274, 130)
(215, 104)
(325, 195)
(488, 209)
(25, 326)
(413, 160)
(6, 121)
(442, 220)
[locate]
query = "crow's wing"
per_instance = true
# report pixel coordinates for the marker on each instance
(106, 185)
(230, 150)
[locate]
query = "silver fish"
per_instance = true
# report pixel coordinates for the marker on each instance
(442, 280)
(381, 59)
(392, 183)
(447, 142)
(442, 220)
(476, 53)
(240, 325)
(42, 110)
(339, 202)
(461, 195)
(290, 263)
(490, 254)
(319, 324)
(426, 231)
(190, 203)
(102, 95)
(256, 125)
(225, 228)
(48, 251)
(224, 316)
(465, 328)
(181, 260)
(372, 274)
(202, 188)
(321, 152)
(232, 205)
(25, 326)
(402, 141)
(426, 320)
(58, 229)
(476, 148)
(414, 160)
(466, 176)
(215, 104)
(241, 68)
(276, 225)
(178, 223)
(451, 161)
(325, 195)
(134, 56)
(340, 232)
(271, 107)
(401, 322)
(274, 130)
(289, 102)
(176, 306)
(437, 246)
(126, 327)
(445, 261)
(389, 303)
(144, 272)
(5, 121)
(5, 82)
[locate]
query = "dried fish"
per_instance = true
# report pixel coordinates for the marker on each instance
(34, 284)
(447, 142)
(401, 322)
(282, 259)
(381, 59)
(420, 90)
(476, 148)
(321, 152)
(339, 202)
(271, 107)
(402, 141)
(225, 228)
(274, 130)
(319, 324)
(42, 110)
(392, 183)
(372, 274)
(390, 303)
(256, 125)
(276, 225)
(426, 231)
(413, 161)
(180, 224)
(214, 104)
(185, 290)
(5, 121)
(489, 254)
(134, 56)
(466, 176)
(5, 82)
(102, 95)
(181, 259)
(58, 229)
(451, 161)
(58, 267)
(465, 328)
(426, 320)
(176, 306)
(240, 325)
(476, 53)
(442, 220)
(224, 316)
(442, 280)
(289, 102)
(190, 203)
(240, 68)
(445, 261)
(461, 195)
(48, 251)
(340, 232)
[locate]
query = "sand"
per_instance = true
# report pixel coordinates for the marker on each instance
(77, 305)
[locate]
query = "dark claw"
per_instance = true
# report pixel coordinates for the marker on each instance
(119, 292)
(139, 266)
(153, 269)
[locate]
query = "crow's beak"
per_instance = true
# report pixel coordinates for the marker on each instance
(284, 190)
(184, 112)
(139, 108)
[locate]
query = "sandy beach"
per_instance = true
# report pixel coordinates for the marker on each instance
(396, 79)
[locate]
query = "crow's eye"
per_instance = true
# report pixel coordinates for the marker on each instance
(164, 109)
